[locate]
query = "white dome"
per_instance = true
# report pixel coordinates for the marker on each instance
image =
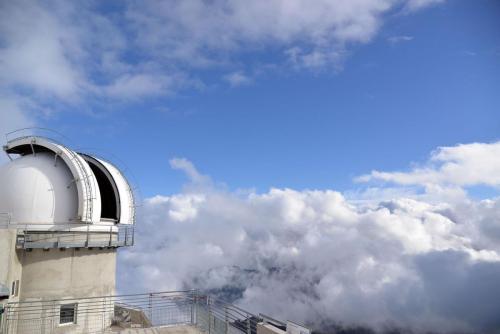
(37, 189)
(51, 184)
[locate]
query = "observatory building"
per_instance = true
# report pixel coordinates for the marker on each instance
(63, 215)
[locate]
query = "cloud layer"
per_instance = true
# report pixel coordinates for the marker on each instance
(63, 54)
(59, 56)
(316, 257)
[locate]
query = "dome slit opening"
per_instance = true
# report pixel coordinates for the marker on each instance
(109, 201)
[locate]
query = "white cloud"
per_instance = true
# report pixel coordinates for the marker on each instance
(314, 256)
(61, 54)
(237, 78)
(35, 50)
(12, 117)
(187, 167)
(318, 58)
(461, 165)
(201, 33)
(419, 4)
(66, 52)
(399, 39)
(180, 208)
(139, 85)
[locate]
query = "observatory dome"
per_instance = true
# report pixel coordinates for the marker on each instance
(35, 190)
(49, 184)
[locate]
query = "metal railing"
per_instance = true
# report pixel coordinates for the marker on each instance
(33, 236)
(36, 132)
(5, 218)
(218, 317)
(110, 314)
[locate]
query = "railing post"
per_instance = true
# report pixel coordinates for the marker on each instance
(249, 327)
(110, 235)
(193, 305)
(103, 316)
(226, 320)
(6, 320)
(133, 235)
(88, 237)
(150, 306)
(2, 319)
(209, 315)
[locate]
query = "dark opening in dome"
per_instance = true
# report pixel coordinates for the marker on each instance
(107, 187)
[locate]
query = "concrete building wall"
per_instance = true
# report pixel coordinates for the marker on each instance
(55, 273)
(10, 263)
(69, 273)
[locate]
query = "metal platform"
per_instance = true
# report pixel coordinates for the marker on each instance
(63, 236)
(121, 236)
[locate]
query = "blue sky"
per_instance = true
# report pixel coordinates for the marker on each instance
(425, 78)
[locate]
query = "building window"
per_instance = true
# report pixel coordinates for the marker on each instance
(67, 314)
(14, 292)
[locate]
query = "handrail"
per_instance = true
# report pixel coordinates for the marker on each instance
(62, 225)
(33, 134)
(158, 293)
(154, 309)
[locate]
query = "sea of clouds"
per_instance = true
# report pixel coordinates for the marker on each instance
(409, 250)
